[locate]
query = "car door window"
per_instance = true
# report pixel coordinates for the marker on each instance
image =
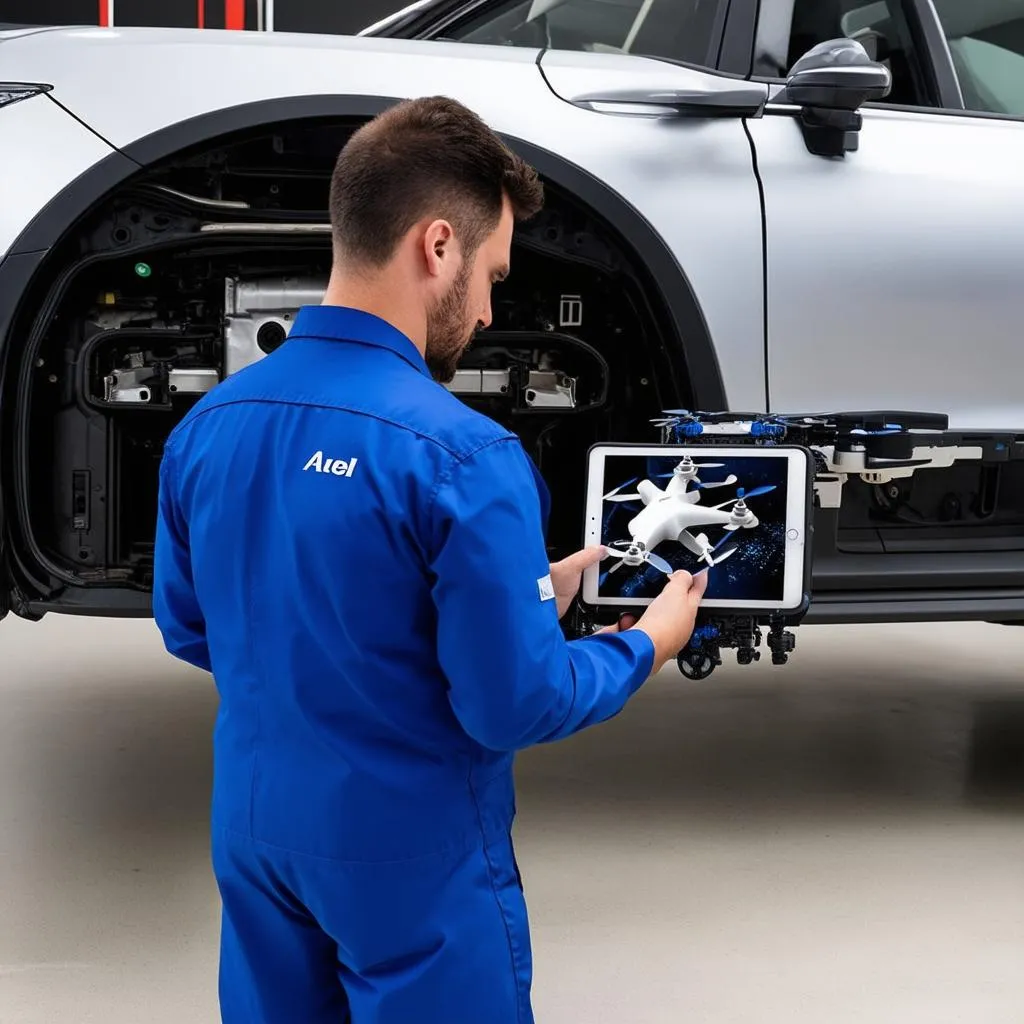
(986, 42)
(682, 30)
(880, 26)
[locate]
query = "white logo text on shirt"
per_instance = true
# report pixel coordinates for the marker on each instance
(336, 467)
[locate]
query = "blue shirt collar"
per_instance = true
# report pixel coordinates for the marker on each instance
(343, 323)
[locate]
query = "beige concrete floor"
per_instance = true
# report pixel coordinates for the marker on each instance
(840, 840)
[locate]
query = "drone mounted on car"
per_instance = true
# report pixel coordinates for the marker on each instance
(671, 512)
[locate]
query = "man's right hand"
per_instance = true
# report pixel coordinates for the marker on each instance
(668, 620)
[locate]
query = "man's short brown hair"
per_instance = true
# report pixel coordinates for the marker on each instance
(429, 157)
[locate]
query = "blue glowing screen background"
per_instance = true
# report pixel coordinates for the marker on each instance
(754, 572)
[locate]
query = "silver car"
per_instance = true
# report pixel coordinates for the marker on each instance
(753, 209)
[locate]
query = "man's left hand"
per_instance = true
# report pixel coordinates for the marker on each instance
(567, 575)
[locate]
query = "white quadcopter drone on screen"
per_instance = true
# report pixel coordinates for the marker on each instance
(670, 513)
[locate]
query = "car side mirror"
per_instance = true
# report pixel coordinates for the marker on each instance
(829, 83)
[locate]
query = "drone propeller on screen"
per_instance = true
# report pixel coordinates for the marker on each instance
(614, 495)
(696, 480)
(742, 493)
(635, 554)
(740, 510)
(689, 474)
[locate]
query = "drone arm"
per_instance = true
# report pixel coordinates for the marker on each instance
(689, 542)
(513, 680)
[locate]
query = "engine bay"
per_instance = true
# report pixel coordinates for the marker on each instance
(196, 269)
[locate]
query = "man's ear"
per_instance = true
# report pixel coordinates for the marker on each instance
(439, 246)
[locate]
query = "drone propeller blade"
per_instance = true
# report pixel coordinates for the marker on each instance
(758, 491)
(659, 563)
(731, 479)
(623, 497)
(724, 555)
(615, 490)
(614, 553)
(742, 494)
(709, 465)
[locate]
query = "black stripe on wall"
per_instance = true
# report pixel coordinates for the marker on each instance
(162, 14)
(50, 12)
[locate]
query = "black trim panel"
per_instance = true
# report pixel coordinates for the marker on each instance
(717, 35)
(101, 602)
(16, 271)
(925, 23)
(736, 55)
(1002, 606)
(883, 573)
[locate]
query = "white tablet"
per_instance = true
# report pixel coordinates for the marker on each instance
(742, 512)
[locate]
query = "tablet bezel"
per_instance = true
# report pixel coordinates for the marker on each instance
(798, 508)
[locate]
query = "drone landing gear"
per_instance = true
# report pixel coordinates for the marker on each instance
(703, 654)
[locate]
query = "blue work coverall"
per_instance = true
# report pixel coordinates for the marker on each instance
(359, 559)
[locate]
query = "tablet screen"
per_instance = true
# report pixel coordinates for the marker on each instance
(729, 508)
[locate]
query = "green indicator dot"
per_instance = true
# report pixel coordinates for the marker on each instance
(143, 269)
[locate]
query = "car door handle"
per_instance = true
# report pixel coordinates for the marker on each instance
(742, 99)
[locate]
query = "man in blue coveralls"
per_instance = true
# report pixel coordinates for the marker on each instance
(359, 559)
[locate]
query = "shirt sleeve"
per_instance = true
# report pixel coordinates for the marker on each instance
(514, 679)
(175, 607)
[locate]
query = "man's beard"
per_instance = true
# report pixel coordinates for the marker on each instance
(448, 332)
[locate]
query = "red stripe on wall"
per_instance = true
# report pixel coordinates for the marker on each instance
(234, 14)
(201, 14)
(104, 22)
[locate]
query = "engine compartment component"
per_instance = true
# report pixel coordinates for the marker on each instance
(541, 389)
(141, 384)
(154, 368)
(524, 371)
(534, 372)
(259, 313)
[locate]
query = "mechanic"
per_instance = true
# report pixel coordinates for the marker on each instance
(359, 559)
